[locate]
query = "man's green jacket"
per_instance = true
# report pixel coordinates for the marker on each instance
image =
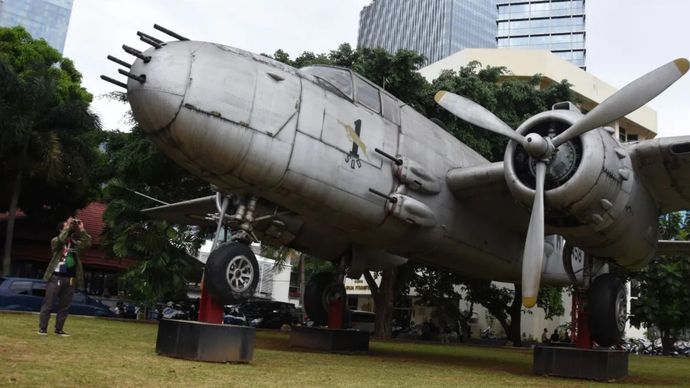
(57, 245)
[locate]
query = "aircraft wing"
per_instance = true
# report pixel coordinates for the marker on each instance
(483, 189)
(663, 166)
(193, 212)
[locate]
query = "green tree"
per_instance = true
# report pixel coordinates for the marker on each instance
(393, 285)
(48, 137)
(663, 300)
(512, 100)
(166, 252)
(444, 290)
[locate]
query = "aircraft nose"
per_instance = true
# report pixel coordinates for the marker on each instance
(157, 84)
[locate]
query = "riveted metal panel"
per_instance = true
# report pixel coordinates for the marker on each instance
(313, 105)
(319, 172)
(218, 145)
(276, 99)
(223, 83)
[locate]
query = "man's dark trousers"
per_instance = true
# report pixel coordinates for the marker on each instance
(61, 287)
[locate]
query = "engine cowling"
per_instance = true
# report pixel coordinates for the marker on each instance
(592, 196)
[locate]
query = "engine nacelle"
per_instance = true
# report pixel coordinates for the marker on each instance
(592, 196)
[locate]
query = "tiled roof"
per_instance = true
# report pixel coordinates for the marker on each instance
(92, 217)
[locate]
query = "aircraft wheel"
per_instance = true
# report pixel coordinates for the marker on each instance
(232, 273)
(607, 309)
(322, 289)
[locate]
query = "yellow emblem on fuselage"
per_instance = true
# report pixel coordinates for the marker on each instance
(354, 137)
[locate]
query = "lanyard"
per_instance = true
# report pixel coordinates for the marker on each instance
(66, 249)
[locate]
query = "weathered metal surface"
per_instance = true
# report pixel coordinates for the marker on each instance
(588, 364)
(329, 340)
(664, 167)
(205, 341)
(304, 141)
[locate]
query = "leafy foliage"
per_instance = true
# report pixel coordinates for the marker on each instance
(46, 131)
(512, 100)
(663, 300)
(165, 252)
(48, 137)
(444, 290)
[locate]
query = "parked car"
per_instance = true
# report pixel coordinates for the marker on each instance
(24, 294)
(233, 316)
(362, 320)
(268, 314)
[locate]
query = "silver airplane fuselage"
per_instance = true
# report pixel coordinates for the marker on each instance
(305, 141)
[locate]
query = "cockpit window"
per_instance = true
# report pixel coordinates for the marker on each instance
(341, 79)
(367, 95)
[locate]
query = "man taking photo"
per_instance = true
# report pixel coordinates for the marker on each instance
(64, 273)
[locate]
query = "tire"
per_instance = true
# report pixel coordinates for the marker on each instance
(321, 289)
(232, 273)
(607, 309)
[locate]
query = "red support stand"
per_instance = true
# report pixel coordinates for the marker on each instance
(579, 323)
(210, 311)
(335, 314)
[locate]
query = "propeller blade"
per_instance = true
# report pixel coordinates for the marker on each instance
(628, 99)
(533, 255)
(476, 114)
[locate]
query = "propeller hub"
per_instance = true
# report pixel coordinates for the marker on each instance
(536, 146)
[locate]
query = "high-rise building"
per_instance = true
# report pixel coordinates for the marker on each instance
(47, 19)
(434, 28)
(556, 25)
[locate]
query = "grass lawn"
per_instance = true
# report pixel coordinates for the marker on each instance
(119, 353)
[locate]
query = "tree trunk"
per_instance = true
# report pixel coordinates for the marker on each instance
(384, 298)
(301, 280)
(515, 310)
(9, 233)
(667, 342)
(464, 323)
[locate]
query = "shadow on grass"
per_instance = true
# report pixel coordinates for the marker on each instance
(514, 361)
(446, 355)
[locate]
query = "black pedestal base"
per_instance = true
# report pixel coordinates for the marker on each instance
(330, 340)
(580, 363)
(205, 341)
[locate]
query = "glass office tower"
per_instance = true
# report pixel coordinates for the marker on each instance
(556, 25)
(47, 19)
(434, 28)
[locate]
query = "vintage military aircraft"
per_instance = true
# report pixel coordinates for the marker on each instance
(321, 160)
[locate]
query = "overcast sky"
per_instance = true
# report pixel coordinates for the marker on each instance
(625, 38)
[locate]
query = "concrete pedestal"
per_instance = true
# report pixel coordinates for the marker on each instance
(580, 363)
(330, 340)
(205, 341)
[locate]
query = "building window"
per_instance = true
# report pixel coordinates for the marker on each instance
(622, 134)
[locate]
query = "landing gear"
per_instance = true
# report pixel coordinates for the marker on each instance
(322, 290)
(607, 303)
(599, 309)
(232, 273)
